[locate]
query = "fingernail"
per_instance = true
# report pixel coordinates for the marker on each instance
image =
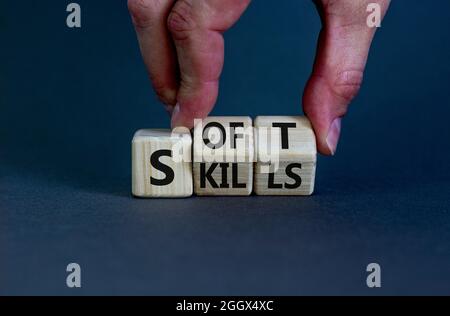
(333, 135)
(175, 116)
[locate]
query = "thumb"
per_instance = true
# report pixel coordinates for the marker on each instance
(342, 52)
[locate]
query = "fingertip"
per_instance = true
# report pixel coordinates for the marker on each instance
(181, 118)
(326, 139)
(327, 131)
(167, 95)
(194, 102)
(318, 107)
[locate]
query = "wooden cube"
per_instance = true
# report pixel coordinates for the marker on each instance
(285, 155)
(161, 163)
(223, 156)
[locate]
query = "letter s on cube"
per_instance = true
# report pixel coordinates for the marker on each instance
(161, 164)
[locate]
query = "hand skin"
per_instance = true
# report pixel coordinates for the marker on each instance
(183, 49)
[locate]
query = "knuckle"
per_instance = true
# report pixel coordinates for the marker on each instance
(347, 84)
(181, 20)
(141, 12)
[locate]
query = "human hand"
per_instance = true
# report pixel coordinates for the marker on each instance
(183, 49)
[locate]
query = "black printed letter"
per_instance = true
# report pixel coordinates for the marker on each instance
(284, 133)
(154, 160)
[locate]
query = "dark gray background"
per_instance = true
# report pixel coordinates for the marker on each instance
(71, 99)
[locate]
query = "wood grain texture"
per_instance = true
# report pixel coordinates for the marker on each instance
(284, 171)
(226, 169)
(153, 180)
